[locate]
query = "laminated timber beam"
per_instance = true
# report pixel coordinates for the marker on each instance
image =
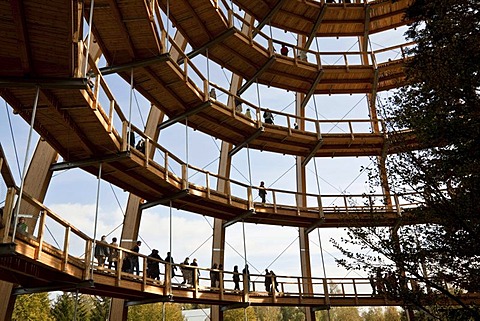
(315, 225)
(313, 152)
(272, 12)
(239, 218)
(318, 21)
(311, 91)
(246, 142)
(5, 170)
(87, 162)
(164, 200)
(180, 117)
(44, 83)
(163, 298)
(136, 64)
(224, 35)
(66, 287)
(258, 73)
(23, 42)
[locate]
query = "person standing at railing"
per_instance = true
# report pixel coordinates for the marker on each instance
(274, 281)
(268, 116)
(246, 278)
(248, 113)
(268, 281)
(236, 278)
(196, 272)
(262, 192)
(213, 276)
(153, 268)
(284, 50)
(101, 251)
(22, 226)
(134, 258)
(113, 257)
(169, 259)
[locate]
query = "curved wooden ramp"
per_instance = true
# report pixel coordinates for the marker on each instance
(350, 18)
(38, 266)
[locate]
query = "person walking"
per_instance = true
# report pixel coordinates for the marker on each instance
(113, 257)
(262, 192)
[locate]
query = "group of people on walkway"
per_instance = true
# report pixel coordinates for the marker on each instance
(189, 271)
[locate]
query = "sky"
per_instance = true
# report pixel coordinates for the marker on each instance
(72, 193)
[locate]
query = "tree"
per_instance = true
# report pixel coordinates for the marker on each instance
(442, 108)
(32, 307)
(239, 314)
(101, 309)
(66, 307)
(267, 313)
(149, 312)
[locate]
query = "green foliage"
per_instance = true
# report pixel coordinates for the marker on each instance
(267, 313)
(339, 314)
(382, 314)
(292, 314)
(32, 307)
(149, 312)
(101, 309)
(66, 307)
(239, 314)
(442, 108)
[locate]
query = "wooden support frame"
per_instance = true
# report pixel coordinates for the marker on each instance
(313, 32)
(311, 91)
(239, 218)
(312, 152)
(269, 15)
(260, 71)
(193, 111)
(164, 200)
(88, 162)
(44, 83)
(136, 64)
(237, 148)
(224, 35)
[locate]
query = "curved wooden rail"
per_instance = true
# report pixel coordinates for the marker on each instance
(39, 266)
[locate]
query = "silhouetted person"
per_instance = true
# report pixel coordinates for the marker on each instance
(268, 281)
(213, 276)
(284, 50)
(236, 278)
(262, 192)
(134, 258)
(169, 259)
(196, 273)
(153, 267)
(246, 277)
(268, 116)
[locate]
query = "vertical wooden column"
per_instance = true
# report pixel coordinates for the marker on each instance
(37, 180)
(118, 311)
(302, 201)
(224, 166)
(133, 215)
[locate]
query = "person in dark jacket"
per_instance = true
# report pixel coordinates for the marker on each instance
(153, 267)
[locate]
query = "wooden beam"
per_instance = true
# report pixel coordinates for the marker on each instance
(315, 27)
(239, 218)
(269, 15)
(260, 71)
(186, 114)
(83, 163)
(122, 27)
(164, 200)
(135, 64)
(220, 38)
(23, 41)
(161, 298)
(311, 91)
(44, 83)
(5, 169)
(237, 148)
(312, 152)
